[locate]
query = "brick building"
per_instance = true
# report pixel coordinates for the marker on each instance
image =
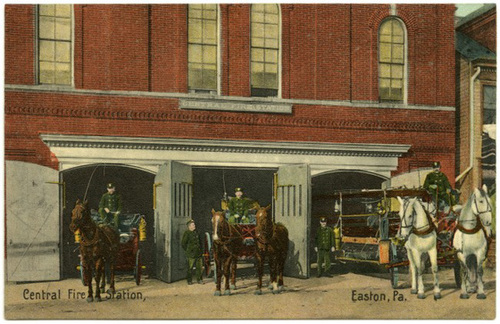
(476, 100)
(178, 104)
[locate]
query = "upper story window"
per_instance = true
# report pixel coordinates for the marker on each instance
(202, 47)
(265, 46)
(489, 104)
(392, 60)
(55, 44)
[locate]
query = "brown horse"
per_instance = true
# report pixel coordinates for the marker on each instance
(271, 242)
(227, 243)
(98, 246)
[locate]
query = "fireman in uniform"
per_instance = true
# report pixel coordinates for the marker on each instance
(325, 242)
(437, 185)
(238, 208)
(192, 247)
(110, 206)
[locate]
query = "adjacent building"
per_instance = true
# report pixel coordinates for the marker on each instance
(476, 100)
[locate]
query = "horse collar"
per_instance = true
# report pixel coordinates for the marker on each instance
(93, 241)
(479, 226)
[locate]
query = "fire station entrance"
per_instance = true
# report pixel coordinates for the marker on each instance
(89, 182)
(327, 184)
(171, 180)
(183, 192)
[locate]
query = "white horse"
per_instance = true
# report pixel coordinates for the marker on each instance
(471, 240)
(418, 232)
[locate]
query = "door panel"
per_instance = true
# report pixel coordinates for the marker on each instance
(173, 205)
(32, 222)
(292, 208)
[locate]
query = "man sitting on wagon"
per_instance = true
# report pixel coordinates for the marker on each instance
(239, 207)
(110, 206)
(437, 185)
(442, 194)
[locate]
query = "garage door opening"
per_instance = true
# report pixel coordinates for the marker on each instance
(135, 187)
(210, 185)
(327, 184)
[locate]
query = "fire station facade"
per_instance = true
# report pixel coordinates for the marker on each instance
(179, 103)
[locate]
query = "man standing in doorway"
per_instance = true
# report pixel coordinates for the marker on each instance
(325, 242)
(192, 247)
(110, 206)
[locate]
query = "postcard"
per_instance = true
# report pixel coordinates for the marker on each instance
(250, 161)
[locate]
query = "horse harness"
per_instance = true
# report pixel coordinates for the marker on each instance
(431, 226)
(479, 224)
(85, 242)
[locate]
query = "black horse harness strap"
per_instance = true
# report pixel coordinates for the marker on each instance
(431, 227)
(270, 239)
(85, 242)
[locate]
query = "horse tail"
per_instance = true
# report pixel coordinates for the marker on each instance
(471, 263)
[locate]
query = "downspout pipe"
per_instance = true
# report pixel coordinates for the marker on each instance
(471, 118)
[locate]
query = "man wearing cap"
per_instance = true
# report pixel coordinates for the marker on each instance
(238, 208)
(437, 185)
(192, 247)
(325, 242)
(110, 206)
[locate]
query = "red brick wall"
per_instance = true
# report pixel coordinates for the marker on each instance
(328, 51)
(430, 134)
(483, 30)
(169, 48)
(237, 50)
(114, 42)
(19, 44)
(144, 47)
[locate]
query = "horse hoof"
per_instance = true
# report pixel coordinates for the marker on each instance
(270, 287)
(481, 296)
(413, 292)
(281, 288)
(258, 292)
(232, 287)
(464, 296)
(110, 291)
(437, 296)
(227, 292)
(98, 299)
(275, 292)
(90, 299)
(217, 293)
(421, 296)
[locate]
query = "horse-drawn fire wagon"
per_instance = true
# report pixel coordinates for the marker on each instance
(132, 231)
(246, 252)
(367, 224)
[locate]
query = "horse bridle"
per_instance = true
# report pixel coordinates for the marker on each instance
(489, 209)
(259, 238)
(414, 230)
(479, 223)
(77, 221)
(222, 236)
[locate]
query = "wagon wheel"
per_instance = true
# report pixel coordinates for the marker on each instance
(456, 270)
(394, 271)
(208, 255)
(138, 267)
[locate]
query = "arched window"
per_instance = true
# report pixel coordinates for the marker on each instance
(202, 47)
(392, 60)
(55, 58)
(265, 47)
